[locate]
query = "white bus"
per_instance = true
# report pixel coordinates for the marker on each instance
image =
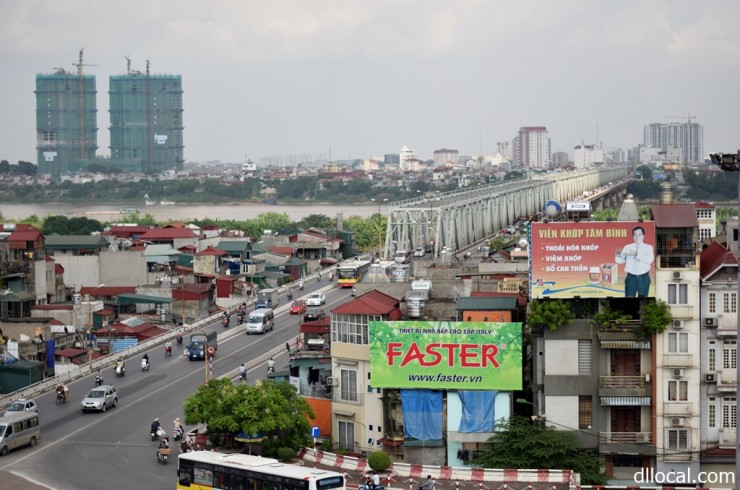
(210, 470)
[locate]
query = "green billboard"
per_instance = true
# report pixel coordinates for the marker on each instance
(446, 355)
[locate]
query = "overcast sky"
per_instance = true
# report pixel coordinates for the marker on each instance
(354, 79)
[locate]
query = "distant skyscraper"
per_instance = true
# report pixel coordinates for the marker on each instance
(560, 159)
(406, 158)
(146, 126)
(585, 156)
(66, 123)
(688, 137)
(531, 147)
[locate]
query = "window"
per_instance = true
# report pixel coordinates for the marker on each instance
(678, 342)
(678, 438)
(729, 355)
(346, 439)
(712, 302)
(348, 391)
(678, 391)
(729, 412)
(585, 411)
(678, 294)
(704, 213)
(730, 302)
(712, 414)
(584, 357)
(352, 329)
(712, 358)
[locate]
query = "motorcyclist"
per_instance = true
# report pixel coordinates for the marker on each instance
(120, 366)
(179, 338)
(178, 431)
(146, 358)
(243, 372)
(155, 426)
(300, 284)
(318, 275)
(271, 366)
(168, 348)
(60, 392)
(164, 443)
(98, 379)
(290, 294)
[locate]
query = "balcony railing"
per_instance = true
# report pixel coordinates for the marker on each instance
(625, 437)
(678, 360)
(727, 437)
(681, 409)
(682, 312)
(316, 391)
(622, 386)
(348, 397)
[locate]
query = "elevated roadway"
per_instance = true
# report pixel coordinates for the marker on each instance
(462, 218)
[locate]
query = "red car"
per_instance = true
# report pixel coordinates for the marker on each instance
(298, 307)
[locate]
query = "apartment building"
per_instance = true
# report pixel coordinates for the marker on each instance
(531, 147)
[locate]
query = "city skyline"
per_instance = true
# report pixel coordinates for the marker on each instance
(355, 80)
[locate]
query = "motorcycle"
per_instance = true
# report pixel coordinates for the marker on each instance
(290, 296)
(239, 319)
(167, 351)
(61, 398)
(158, 434)
(271, 370)
(144, 365)
(179, 340)
(162, 455)
(98, 380)
(225, 321)
(178, 433)
(120, 371)
(300, 286)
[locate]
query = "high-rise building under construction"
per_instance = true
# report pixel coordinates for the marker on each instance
(146, 121)
(66, 126)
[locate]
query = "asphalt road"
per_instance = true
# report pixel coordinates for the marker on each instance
(113, 449)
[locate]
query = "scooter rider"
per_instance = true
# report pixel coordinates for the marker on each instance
(300, 284)
(164, 443)
(179, 338)
(243, 372)
(270, 366)
(145, 358)
(98, 379)
(168, 348)
(155, 426)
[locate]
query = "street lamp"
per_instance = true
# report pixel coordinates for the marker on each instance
(539, 418)
(380, 217)
(729, 162)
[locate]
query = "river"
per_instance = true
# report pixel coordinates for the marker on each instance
(176, 212)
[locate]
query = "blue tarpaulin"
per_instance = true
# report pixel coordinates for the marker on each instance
(422, 414)
(50, 351)
(477, 411)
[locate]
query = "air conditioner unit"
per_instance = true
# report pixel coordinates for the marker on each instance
(647, 378)
(710, 377)
(710, 322)
(677, 324)
(677, 276)
(678, 373)
(677, 421)
(642, 437)
(331, 381)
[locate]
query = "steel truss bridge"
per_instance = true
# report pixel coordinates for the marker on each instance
(464, 218)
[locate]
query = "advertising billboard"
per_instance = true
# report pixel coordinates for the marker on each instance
(446, 355)
(592, 259)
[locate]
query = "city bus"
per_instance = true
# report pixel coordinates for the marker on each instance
(206, 470)
(352, 272)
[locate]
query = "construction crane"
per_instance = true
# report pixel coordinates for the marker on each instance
(59, 71)
(689, 117)
(80, 64)
(129, 71)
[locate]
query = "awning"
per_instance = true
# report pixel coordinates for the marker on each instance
(389, 442)
(625, 344)
(242, 437)
(317, 329)
(328, 261)
(132, 299)
(626, 401)
(344, 413)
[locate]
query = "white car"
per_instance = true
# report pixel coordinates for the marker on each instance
(315, 299)
(22, 405)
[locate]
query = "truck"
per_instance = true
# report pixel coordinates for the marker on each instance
(267, 298)
(199, 343)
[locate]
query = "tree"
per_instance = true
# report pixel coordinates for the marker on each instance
(520, 444)
(272, 409)
(317, 221)
(551, 314)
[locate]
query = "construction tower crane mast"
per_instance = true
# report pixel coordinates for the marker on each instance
(81, 82)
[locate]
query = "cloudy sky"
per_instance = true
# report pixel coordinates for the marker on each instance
(354, 79)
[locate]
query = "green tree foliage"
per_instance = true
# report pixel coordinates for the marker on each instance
(379, 461)
(644, 172)
(552, 314)
(366, 231)
(655, 316)
(301, 188)
(317, 221)
(79, 225)
(520, 444)
(717, 186)
(272, 409)
(644, 189)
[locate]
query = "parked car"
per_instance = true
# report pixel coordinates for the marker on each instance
(298, 307)
(22, 405)
(313, 314)
(315, 299)
(100, 399)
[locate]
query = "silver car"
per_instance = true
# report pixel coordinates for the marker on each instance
(22, 405)
(100, 399)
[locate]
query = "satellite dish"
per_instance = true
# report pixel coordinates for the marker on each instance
(552, 209)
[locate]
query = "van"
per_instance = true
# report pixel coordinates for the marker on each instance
(199, 342)
(19, 429)
(260, 321)
(402, 256)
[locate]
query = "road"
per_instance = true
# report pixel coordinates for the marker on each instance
(113, 449)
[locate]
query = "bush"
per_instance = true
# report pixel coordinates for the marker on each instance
(379, 461)
(285, 454)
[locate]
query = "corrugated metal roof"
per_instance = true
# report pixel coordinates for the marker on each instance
(486, 303)
(676, 215)
(626, 401)
(625, 344)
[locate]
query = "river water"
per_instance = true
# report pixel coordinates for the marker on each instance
(176, 212)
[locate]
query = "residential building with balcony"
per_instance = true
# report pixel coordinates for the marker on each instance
(677, 385)
(706, 213)
(718, 378)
